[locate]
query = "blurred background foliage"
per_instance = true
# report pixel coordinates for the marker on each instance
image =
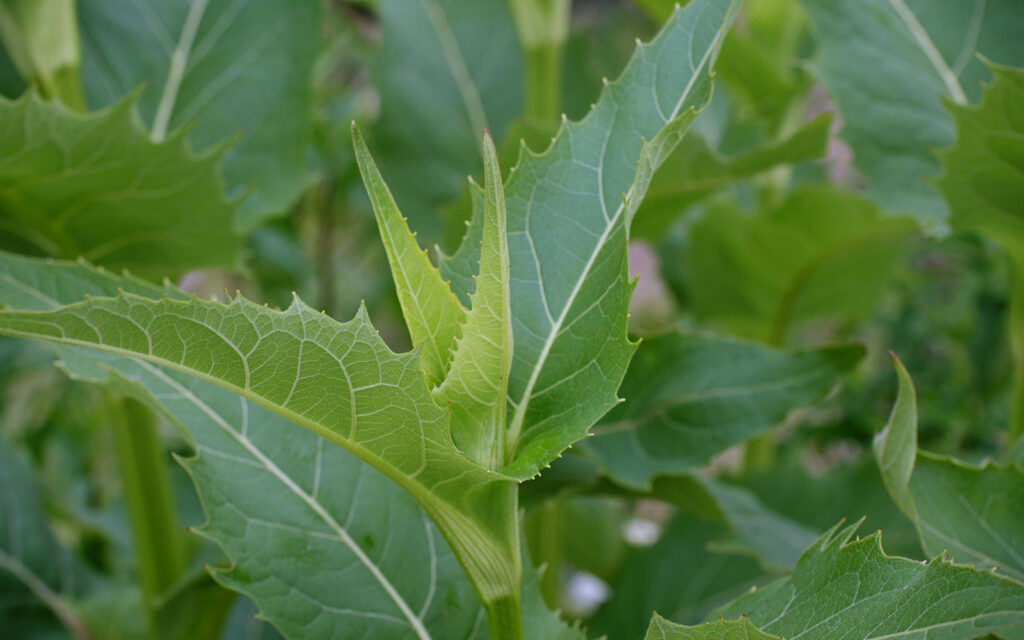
(760, 226)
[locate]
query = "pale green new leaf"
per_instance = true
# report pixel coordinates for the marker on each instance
(695, 170)
(742, 629)
(984, 186)
(849, 589)
(568, 214)
(888, 64)
(477, 385)
(689, 398)
(228, 70)
(821, 254)
(971, 513)
(432, 312)
(96, 186)
(338, 380)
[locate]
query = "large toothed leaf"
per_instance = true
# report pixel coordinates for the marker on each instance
(432, 312)
(568, 214)
(326, 546)
(477, 385)
(742, 629)
(888, 64)
(844, 588)
(983, 183)
(822, 253)
(972, 513)
(96, 186)
(446, 70)
(691, 397)
(337, 379)
(228, 70)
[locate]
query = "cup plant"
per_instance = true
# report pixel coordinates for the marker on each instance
(360, 492)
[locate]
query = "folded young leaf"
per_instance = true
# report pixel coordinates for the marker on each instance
(971, 513)
(568, 214)
(984, 186)
(692, 397)
(742, 629)
(432, 312)
(821, 253)
(338, 380)
(225, 70)
(849, 589)
(477, 385)
(888, 64)
(96, 186)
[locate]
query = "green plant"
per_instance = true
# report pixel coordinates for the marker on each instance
(456, 486)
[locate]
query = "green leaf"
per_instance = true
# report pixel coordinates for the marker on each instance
(381, 409)
(41, 37)
(446, 70)
(821, 253)
(94, 185)
(742, 629)
(971, 513)
(33, 566)
(652, 580)
(227, 70)
(888, 64)
(477, 385)
(848, 589)
(695, 170)
(323, 543)
(692, 397)
(432, 313)
(568, 214)
(984, 187)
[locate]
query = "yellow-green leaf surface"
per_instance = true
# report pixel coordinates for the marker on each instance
(742, 629)
(568, 214)
(970, 512)
(96, 186)
(432, 312)
(477, 385)
(849, 589)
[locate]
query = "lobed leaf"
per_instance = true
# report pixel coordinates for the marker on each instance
(742, 629)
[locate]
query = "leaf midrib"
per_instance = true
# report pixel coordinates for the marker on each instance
(176, 72)
(924, 41)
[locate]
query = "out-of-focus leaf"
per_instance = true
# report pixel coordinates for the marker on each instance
(446, 70)
(822, 253)
(96, 186)
(984, 186)
(679, 576)
(695, 170)
(223, 69)
(689, 398)
(971, 513)
(845, 588)
(888, 64)
(742, 629)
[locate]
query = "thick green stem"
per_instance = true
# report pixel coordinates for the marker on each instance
(543, 27)
(160, 545)
(41, 37)
(1017, 346)
(505, 618)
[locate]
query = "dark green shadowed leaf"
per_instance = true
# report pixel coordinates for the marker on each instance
(227, 70)
(689, 398)
(96, 186)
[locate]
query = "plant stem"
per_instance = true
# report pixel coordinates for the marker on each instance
(41, 37)
(505, 618)
(1016, 321)
(543, 27)
(160, 546)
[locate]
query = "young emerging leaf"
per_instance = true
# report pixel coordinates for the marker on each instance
(476, 386)
(568, 214)
(971, 513)
(432, 312)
